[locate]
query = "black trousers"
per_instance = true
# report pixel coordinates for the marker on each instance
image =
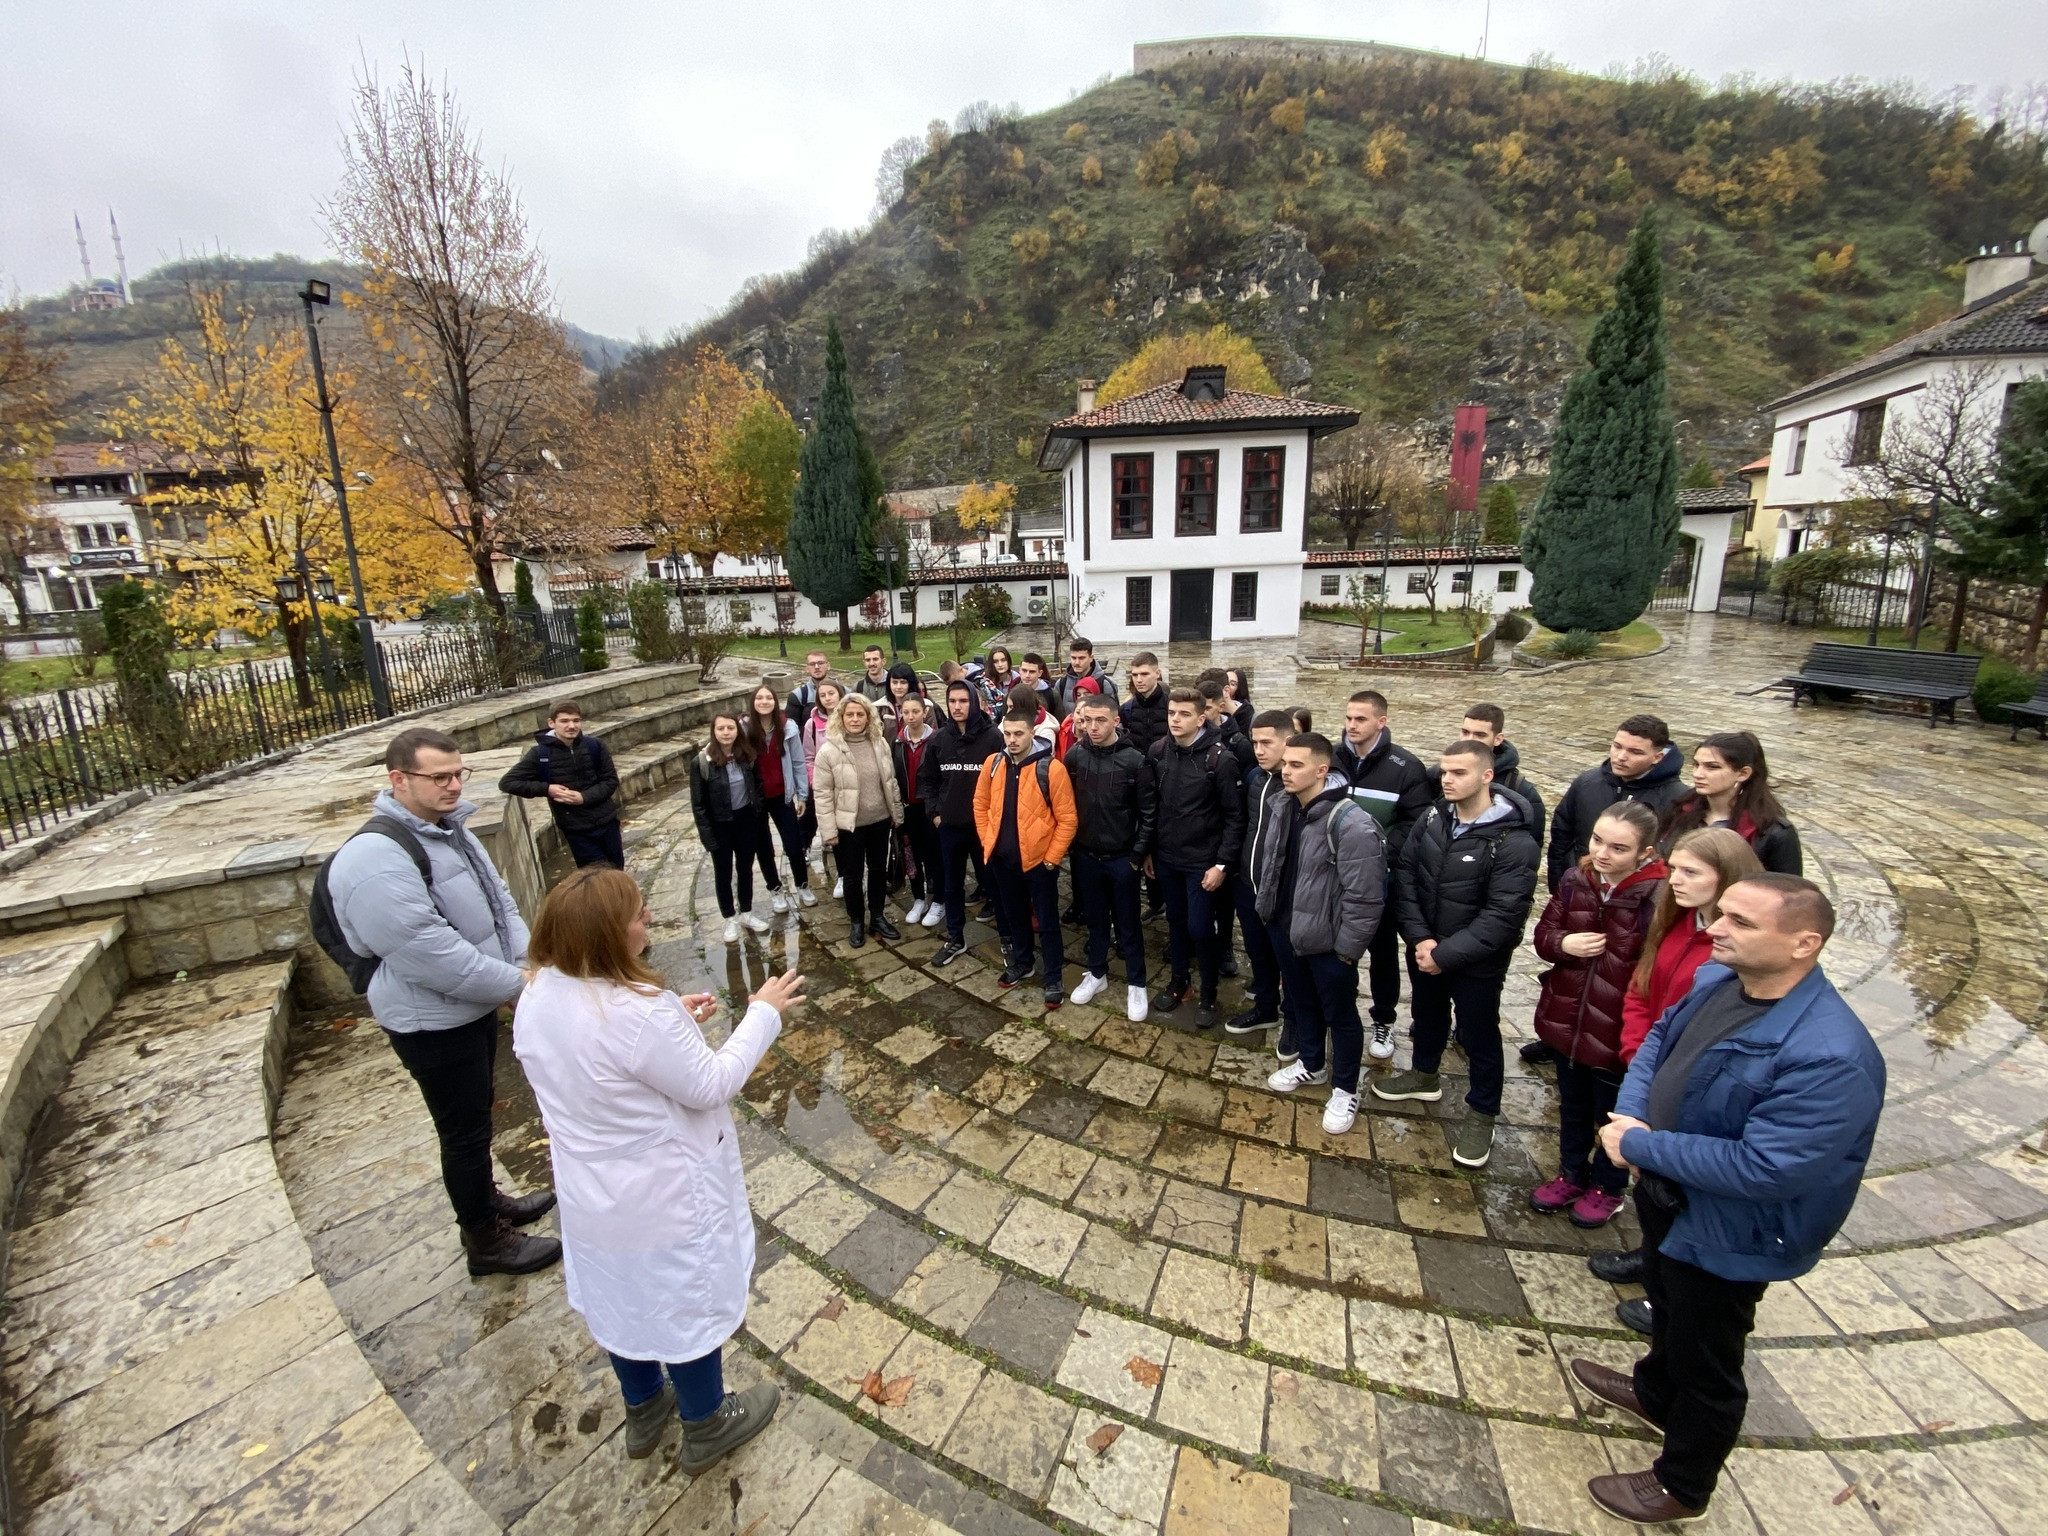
(1383, 957)
(956, 846)
(1691, 1380)
(1258, 947)
(784, 821)
(734, 847)
(596, 845)
(923, 838)
(1107, 889)
(864, 865)
(1585, 1098)
(1024, 894)
(454, 1070)
(1476, 1000)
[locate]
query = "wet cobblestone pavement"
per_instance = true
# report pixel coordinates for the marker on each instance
(1133, 1292)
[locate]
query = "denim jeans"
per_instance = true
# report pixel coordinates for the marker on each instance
(1258, 949)
(699, 1383)
(1108, 892)
(1325, 992)
(1477, 1002)
(1190, 927)
(791, 829)
(1021, 893)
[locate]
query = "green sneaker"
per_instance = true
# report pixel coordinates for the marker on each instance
(1475, 1141)
(1425, 1086)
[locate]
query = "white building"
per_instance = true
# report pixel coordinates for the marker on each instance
(1822, 430)
(90, 526)
(1186, 510)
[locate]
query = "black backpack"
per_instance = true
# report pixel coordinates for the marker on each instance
(320, 909)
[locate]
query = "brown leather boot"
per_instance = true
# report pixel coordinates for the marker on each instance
(1611, 1386)
(522, 1210)
(1638, 1496)
(502, 1249)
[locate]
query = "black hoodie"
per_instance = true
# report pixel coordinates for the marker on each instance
(1469, 891)
(952, 763)
(1592, 792)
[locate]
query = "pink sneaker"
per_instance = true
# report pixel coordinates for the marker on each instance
(1595, 1208)
(1556, 1195)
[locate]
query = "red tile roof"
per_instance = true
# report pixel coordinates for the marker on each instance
(1166, 408)
(109, 459)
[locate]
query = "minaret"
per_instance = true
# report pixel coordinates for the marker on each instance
(84, 260)
(120, 258)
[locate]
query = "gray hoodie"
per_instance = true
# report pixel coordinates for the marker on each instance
(450, 955)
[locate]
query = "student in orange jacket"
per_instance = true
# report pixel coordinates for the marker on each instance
(1024, 809)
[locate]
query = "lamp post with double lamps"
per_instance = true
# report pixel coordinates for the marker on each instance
(315, 590)
(886, 552)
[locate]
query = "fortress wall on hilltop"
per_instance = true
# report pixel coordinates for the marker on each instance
(1166, 53)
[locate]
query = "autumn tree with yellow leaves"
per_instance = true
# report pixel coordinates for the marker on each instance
(1165, 359)
(234, 404)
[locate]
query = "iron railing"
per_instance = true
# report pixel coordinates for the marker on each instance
(1851, 605)
(66, 751)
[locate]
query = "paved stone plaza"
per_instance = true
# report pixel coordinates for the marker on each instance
(1131, 1291)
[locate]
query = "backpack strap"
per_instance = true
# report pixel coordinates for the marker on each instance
(406, 838)
(1337, 813)
(1045, 781)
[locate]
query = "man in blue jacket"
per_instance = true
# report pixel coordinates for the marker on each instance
(1749, 1113)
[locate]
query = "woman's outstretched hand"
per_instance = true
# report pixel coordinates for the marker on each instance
(781, 992)
(701, 1005)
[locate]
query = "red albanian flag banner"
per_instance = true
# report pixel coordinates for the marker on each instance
(1468, 457)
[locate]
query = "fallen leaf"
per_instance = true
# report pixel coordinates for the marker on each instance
(890, 1394)
(1104, 1438)
(1937, 1426)
(831, 1310)
(1084, 1333)
(340, 1024)
(1845, 1495)
(1143, 1371)
(256, 1450)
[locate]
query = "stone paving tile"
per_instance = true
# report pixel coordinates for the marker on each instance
(1834, 1393)
(933, 1114)
(1051, 1167)
(1509, 1368)
(1796, 1493)
(1560, 1289)
(1786, 1313)
(848, 1502)
(1011, 1434)
(1438, 1204)
(1316, 1513)
(1293, 1241)
(2014, 1277)
(838, 1352)
(942, 1379)
(1193, 1154)
(2010, 1363)
(1470, 1277)
(1934, 1388)
(1026, 1324)
(1059, 1110)
(1346, 1189)
(1202, 1294)
(1909, 1491)
(1187, 1100)
(823, 1217)
(882, 1252)
(1307, 1324)
(785, 1298)
(1123, 1131)
(1116, 1268)
(1041, 1237)
(1274, 1175)
(1116, 1361)
(988, 1142)
(1211, 1497)
(1119, 1490)
(1437, 1456)
(1258, 1115)
(1214, 1396)
(1402, 1348)
(970, 1206)
(1117, 1192)
(1128, 1082)
(1324, 1428)
(909, 1178)
(2007, 1477)
(1546, 1471)
(948, 1289)
(1855, 1298)
(1197, 1217)
(1375, 1260)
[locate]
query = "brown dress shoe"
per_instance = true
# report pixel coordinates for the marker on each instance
(522, 1210)
(1638, 1496)
(1611, 1386)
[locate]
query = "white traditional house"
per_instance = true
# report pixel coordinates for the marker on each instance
(1823, 430)
(1186, 509)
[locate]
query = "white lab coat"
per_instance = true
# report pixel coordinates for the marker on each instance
(657, 1240)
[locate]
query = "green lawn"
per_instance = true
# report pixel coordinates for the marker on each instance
(1933, 637)
(1639, 639)
(934, 645)
(1407, 630)
(41, 674)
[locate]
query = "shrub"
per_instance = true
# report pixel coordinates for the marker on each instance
(987, 607)
(91, 633)
(1575, 645)
(1513, 627)
(647, 611)
(590, 635)
(522, 585)
(2000, 683)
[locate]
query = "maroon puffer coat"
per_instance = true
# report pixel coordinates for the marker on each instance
(1579, 1012)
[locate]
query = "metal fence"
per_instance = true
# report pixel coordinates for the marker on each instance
(1746, 590)
(63, 752)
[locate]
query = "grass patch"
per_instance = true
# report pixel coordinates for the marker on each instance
(1638, 639)
(934, 645)
(1932, 638)
(1407, 630)
(44, 674)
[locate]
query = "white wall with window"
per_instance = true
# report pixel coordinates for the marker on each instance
(1494, 585)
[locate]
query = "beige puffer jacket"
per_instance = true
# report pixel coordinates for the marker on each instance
(835, 779)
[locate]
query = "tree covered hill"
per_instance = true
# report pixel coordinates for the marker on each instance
(1398, 235)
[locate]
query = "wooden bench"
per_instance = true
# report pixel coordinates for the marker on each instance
(2034, 712)
(1935, 676)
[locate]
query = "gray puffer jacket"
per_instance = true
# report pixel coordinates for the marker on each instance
(450, 955)
(1338, 896)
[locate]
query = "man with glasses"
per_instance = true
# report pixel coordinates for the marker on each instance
(416, 889)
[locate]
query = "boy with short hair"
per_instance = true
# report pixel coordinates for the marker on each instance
(1026, 823)
(576, 774)
(873, 683)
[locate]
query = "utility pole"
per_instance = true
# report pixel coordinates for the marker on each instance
(317, 292)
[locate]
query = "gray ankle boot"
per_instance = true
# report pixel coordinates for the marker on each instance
(647, 1422)
(731, 1425)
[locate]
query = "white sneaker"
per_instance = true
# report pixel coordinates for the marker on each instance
(1136, 1004)
(1341, 1113)
(839, 888)
(778, 901)
(1092, 986)
(1294, 1075)
(758, 924)
(732, 930)
(1382, 1046)
(934, 914)
(804, 896)
(915, 915)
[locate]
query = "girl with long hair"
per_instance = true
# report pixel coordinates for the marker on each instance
(657, 1242)
(725, 801)
(996, 680)
(778, 747)
(902, 681)
(1237, 698)
(1702, 864)
(859, 807)
(1731, 787)
(830, 692)
(1592, 933)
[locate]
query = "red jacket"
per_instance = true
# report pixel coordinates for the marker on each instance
(1579, 1012)
(1683, 951)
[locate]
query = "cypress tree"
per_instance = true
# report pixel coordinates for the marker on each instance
(522, 585)
(837, 503)
(1608, 517)
(2010, 542)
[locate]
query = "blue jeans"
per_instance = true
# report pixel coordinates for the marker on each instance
(1020, 893)
(1325, 992)
(1190, 926)
(785, 821)
(956, 846)
(1108, 890)
(700, 1383)
(1258, 949)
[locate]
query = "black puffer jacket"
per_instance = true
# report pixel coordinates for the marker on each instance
(1144, 717)
(952, 764)
(1266, 803)
(1115, 797)
(711, 794)
(1389, 783)
(1472, 893)
(1201, 803)
(583, 764)
(1592, 792)
(1507, 774)
(1776, 845)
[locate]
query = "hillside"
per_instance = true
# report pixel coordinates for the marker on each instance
(111, 353)
(1398, 235)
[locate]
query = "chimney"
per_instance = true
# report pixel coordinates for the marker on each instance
(1993, 270)
(1203, 383)
(1084, 395)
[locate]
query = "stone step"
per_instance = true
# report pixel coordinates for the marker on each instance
(58, 984)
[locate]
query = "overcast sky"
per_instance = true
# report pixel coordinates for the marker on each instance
(665, 151)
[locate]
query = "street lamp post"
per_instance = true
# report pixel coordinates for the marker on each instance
(1379, 625)
(317, 292)
(887, 552)
(315, 590)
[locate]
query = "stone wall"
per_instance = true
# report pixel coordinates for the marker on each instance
(1996, 617)
(1166, 53)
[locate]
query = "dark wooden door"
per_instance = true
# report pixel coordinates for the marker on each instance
(1192, 595)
